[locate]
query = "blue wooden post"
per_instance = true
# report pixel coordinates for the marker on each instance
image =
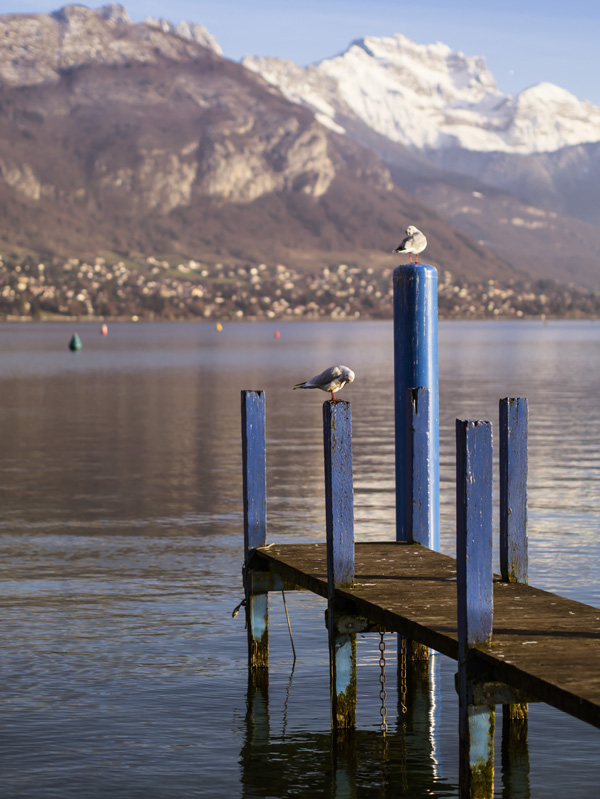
(339, 493)
(476, 742)
(255, 523)
(474, 579)
(418, 476)
(416, 364)
(339, 513)
(474, 533)
(514, 417)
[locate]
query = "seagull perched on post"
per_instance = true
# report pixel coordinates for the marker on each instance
(332, 379)
(414, 242)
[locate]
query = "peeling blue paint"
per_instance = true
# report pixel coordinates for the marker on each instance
(345, 664)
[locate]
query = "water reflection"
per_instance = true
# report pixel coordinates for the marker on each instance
(121, 546)
(364, 763)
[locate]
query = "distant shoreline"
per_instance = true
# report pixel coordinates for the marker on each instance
(86, 320)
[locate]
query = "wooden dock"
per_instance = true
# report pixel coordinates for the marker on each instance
(513, 643)
(545, 644)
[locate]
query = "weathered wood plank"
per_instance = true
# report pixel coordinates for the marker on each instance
(544, 644)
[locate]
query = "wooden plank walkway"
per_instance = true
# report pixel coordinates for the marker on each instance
(546, 645)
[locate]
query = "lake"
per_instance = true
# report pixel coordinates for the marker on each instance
(121, 542)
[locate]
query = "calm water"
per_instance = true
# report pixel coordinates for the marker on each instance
(123, 672)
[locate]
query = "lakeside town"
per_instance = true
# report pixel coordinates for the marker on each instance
(164, 290)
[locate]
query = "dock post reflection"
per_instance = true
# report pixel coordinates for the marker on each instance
(254, 470)
(339, 513)
(515, 751)
(344, 764)
(257, 734)
(474, 578)
(257, 709)
(416, 723)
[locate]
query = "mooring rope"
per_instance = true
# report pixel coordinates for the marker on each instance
(289, 625)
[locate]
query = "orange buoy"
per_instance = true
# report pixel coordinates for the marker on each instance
(219, 326)
(104, 330)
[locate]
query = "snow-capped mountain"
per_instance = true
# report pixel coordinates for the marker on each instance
(428, 97)
(125, 136)
(139, 138)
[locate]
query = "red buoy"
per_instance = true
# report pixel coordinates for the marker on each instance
(104, 330)
(277, 334)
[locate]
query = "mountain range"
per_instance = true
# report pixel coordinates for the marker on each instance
(133, 139)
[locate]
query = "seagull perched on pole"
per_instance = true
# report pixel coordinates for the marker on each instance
(332, 379)
(414, 242)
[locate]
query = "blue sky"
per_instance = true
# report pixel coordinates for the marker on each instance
(523, 42)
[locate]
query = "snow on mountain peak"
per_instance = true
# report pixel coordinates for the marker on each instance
(427, 96)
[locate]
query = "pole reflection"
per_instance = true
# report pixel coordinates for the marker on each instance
(347, 764)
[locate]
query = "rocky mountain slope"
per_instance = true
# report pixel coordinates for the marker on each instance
(129, 140)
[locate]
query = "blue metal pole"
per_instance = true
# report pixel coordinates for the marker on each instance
(416, 366)
(514, 416)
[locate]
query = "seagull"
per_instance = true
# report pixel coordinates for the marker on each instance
(332, 379)
(414, 242)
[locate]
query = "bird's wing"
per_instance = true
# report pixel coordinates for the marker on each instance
(419, 240)
(326, 376)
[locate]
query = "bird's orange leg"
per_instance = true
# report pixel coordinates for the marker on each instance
(333, 397)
